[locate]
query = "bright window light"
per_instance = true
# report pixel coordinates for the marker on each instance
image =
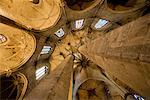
(100, 23)
(2, 38)
(138, 97)
(46, 49)
(60, 32)
(41, 72)
(79, 23)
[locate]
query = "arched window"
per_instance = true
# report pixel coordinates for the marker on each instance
(46, 49)
(79, 23)
(2, 38)
(101, 23)
(130, 96)
(137, 97)
(60, 33)
(41, 72)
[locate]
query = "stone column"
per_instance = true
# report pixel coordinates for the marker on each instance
(125, 54)
(56, 85)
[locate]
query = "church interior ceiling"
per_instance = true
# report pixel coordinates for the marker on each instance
(15, 49)
(41, 16)
(38, 36)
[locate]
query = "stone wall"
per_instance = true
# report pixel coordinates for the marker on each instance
(55, 86)
(124, 53)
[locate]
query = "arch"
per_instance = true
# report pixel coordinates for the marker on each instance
(17, 50)
(95, 74)
(29, 15)
(13, 87)
(124, 6)
(82, 5)
(92, 89)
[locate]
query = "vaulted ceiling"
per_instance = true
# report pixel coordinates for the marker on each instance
(35, 33)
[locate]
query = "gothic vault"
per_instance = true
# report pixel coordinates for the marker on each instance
(74, 50)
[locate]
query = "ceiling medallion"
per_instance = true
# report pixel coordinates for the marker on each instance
(3, 39)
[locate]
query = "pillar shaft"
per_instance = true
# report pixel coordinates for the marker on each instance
(125, 54)
(56, 85)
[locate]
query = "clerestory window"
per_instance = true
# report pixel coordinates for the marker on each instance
(79, 23)
(101, 23)
(41, 72)
(2, 38)
(46, 49)
(60, 33)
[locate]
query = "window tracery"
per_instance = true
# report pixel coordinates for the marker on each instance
(41, 72)
(79, 23)
(46, 49)
(2, 38)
